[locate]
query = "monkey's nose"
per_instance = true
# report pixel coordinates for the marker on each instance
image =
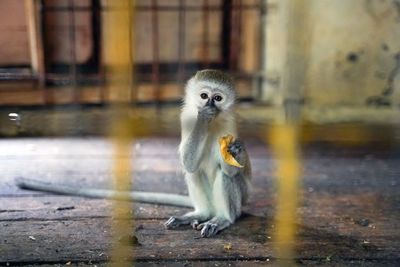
(210, 102)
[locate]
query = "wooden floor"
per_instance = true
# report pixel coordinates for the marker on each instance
(350, 212)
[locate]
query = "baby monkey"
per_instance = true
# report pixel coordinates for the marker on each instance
(217, 190)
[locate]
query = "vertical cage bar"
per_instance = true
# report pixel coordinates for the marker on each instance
(73, 73)
(47, 96)
(205, 39)
(233, 37)
(262, 63)
(285, 144)
(97, 37)
(226, 33)
(238, 40)
(155, 75)
(132, 39)
(287, 134)
(181, 41)
(119, 57)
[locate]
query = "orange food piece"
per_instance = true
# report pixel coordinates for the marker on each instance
(224, 142)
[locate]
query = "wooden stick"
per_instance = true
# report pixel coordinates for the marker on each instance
(33, 19)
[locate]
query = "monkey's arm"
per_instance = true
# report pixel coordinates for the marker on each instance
(193, 146)
(146, 197)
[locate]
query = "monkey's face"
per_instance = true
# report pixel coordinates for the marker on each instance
(207, 93)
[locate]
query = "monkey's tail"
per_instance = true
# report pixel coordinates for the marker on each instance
(145, 197)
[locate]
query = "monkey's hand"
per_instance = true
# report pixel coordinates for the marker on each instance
(207, 113)
(238, 151)
(235, 149)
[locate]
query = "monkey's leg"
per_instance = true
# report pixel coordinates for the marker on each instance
(227, 200)
(200, 194)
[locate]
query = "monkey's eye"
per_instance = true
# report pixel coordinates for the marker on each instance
(204, 96)
(218, 98)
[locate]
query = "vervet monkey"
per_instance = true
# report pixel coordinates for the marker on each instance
(217, 190)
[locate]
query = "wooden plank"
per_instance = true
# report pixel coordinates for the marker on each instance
(173, 263)
(89, 239)
(217, 263)
(357, 214)
(354, 216)
(239, 262)
(369, 215)
(347, 214)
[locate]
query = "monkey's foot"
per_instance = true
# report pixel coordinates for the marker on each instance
(208, 229)
(212, 227)
(173, 223)
(192, 218)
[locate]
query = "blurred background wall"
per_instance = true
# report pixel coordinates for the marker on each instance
(339, 61)
(351, 50)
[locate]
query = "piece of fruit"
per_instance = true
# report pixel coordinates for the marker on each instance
(224, 142)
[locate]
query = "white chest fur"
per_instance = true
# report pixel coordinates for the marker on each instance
(211, 156)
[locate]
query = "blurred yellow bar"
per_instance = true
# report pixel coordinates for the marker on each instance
(118, 50)
(284, 141)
